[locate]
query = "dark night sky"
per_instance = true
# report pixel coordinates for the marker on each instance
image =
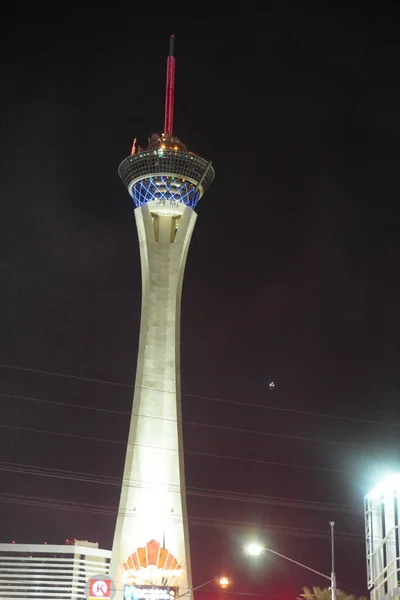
(292, 275)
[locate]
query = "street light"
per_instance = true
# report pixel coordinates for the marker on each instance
(333, 574)
(222, 581)
(256, 549)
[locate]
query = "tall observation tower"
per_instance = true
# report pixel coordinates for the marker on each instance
(151, 544)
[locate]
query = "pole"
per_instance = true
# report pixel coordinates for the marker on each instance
(190, 591)
(333, 575)
(300, 564)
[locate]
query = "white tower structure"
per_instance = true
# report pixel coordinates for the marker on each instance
(151, 544)
(382, 518)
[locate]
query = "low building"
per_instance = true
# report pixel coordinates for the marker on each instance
(46, 571)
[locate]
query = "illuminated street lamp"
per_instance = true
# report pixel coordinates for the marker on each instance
(256, 549)
(222, 581)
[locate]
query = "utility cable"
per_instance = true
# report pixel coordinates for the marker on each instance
(82, 477)
(202, 397)
(207, 425)
(205, 454)
(50, 503)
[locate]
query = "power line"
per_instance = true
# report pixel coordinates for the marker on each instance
(270, 462)
(90, 379)
(205, 522)
(96, 509)
(275, 529)
(202, 397)
(66, 404)
(193, 452)
(200, 521)
(209, 522)
(201, 492)
(286, 502)
(206, 425)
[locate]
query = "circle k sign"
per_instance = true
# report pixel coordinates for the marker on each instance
(98, 587)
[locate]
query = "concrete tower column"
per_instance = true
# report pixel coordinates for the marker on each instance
(151, 543)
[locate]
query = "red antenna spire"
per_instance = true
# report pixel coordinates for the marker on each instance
(169, 89)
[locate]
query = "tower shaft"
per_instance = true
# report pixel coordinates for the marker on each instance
(151, 544)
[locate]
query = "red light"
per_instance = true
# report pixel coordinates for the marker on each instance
(169, 90)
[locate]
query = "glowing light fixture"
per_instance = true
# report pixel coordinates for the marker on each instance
(222, 581)
(254, 549)
(387, 486)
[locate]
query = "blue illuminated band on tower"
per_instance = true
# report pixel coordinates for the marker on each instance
(173, 189)
(166, 175)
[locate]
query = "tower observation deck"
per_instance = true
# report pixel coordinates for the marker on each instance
(151, 543)
(166, 172)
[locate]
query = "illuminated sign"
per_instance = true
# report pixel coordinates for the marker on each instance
(99, 586)
(141, 564)
(150, 592)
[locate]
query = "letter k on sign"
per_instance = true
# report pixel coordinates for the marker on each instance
(99, 589)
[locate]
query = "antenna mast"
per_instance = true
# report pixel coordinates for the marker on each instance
(169, 90)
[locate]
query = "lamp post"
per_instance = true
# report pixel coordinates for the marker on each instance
(333, 574)
(256, 549)
(223, 581)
